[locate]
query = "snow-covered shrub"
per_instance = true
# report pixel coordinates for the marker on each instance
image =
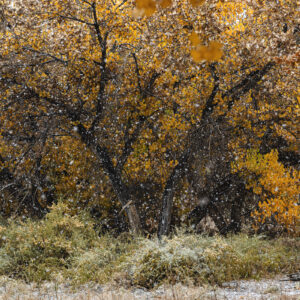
(194, 259)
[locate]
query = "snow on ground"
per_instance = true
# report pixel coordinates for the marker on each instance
(267, 289)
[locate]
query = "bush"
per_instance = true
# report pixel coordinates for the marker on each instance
(68, 246)
(197, 260)
(100, 264)
(37, 250)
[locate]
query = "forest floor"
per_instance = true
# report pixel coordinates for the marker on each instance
(265, 289)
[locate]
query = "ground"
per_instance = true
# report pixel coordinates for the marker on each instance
(266, 289)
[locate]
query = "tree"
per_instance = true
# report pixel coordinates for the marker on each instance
(145, 91)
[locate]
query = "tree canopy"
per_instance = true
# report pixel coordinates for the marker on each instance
(142, 107)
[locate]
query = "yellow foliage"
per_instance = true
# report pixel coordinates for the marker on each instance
(148, 7)
(196, 2)
(194, 38)
(61, 63)
(165, 3)
(212, 52)
(277, 186)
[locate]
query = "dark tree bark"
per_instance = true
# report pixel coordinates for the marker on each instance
(235, 217)
(167, 199)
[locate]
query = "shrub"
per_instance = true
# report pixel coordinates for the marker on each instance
(99, 264)
(36, 250)
(68, 246)
(197, 260)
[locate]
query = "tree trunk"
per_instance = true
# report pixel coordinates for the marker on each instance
(134, 219)
(167, 199)
(236, 222)
(120, 189)
(115, 178)
(236, 208)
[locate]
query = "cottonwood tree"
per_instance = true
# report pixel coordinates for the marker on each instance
(148, 92)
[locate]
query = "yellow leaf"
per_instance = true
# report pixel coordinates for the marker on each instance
(148, 7)
(196, 2)
(194, 39)
(165, 3)
(213, 52)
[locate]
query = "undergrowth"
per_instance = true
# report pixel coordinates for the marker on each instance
(67, 247)
(194, 259)
(37, 250)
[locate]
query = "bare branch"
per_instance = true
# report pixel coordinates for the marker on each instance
(96, 25)
(65, 62)
(76, 19)
(209, 106)
(87, 2)
(246, 84)
(121, 4)
(137, 71)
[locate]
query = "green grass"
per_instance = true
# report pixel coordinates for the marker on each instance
(67, 247)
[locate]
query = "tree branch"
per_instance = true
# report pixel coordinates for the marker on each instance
(209, 105)
(76, 19)
(137, 71)
(247, 84)
(96, 24)
(65, 62)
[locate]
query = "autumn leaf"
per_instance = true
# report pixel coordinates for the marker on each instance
(196, 2)
(165, 3)
(213, 52)
(147, 7)
(194, 38)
